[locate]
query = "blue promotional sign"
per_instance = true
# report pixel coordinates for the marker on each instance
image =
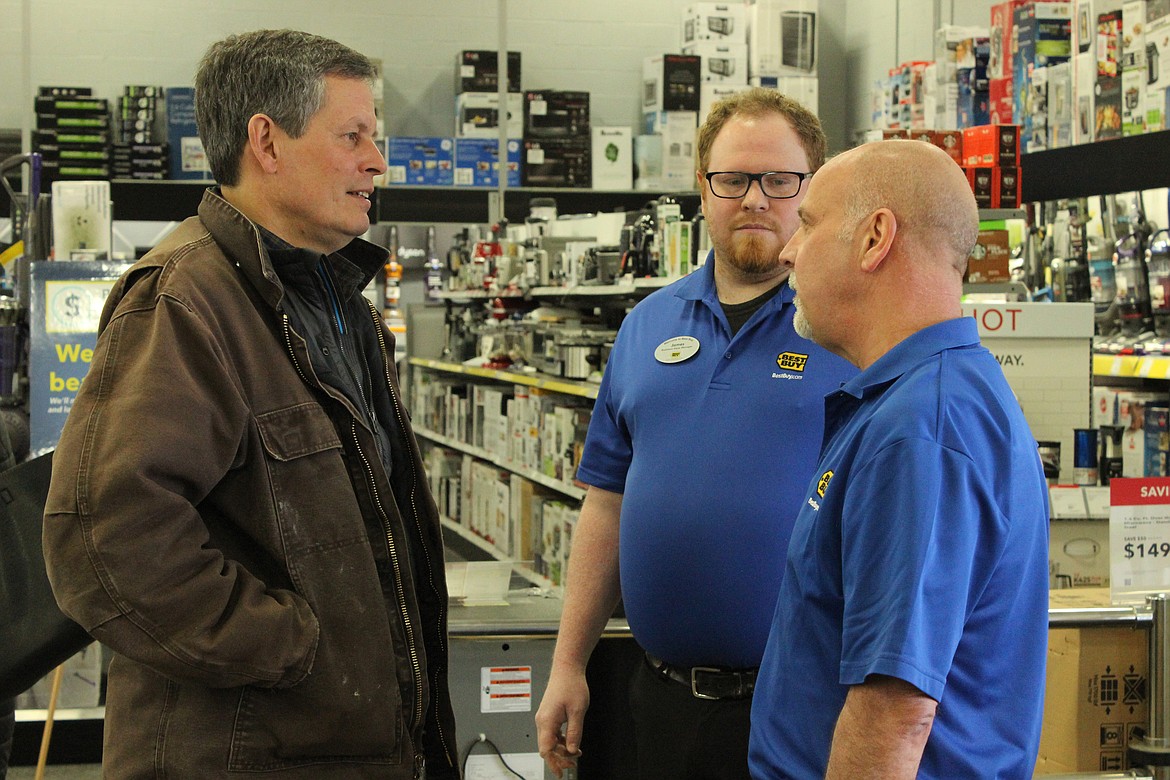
(65, 305)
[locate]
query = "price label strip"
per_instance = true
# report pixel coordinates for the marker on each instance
(1139, 538)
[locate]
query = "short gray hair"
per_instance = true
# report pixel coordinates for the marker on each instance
(280, 73)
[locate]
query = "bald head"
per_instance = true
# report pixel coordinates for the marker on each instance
(924, 188)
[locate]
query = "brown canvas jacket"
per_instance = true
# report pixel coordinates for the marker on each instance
(203, 523)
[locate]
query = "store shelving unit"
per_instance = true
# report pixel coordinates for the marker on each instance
(530, 379)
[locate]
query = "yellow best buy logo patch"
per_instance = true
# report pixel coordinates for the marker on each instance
(823, 483)
(791, 361)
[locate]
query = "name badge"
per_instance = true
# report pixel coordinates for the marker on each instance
(677, 349)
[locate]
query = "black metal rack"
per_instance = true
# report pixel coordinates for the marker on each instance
(1137, 162)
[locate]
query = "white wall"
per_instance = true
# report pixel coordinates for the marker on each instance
(594, 45)
(881, 34)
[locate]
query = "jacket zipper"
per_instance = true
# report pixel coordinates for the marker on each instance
(392, 548)
(378, 324)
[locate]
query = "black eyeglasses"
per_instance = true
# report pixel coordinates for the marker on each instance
(779, 185)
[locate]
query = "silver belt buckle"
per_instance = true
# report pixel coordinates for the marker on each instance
(694, 682)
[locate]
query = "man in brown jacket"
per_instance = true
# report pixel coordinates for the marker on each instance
(238, 507)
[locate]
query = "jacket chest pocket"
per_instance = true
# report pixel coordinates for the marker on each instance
(311, 492)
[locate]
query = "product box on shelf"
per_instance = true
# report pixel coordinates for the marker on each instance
(187, 157)
(1034, 126)
(999, 61)
(666, 160)
(670, 82)
(802, 89)
(974, 109)
(1096, 691)
(552, 113)
(478, 71)
(1134, 70)
(1107, 91)
(959, 48)
(999, 101)
(421, 160)
(477, 114)
(1043, 33)
(1158, 65)
(709, 94)
(1131, 416)
(782, 38)
(714, 22)
(612, 158)
(557, 162)
(721, 62)
(990, 257)
(992, 145)
(950, 141)
(477, 162)
(1060, 105)
(1157, 430)
(1078, 549)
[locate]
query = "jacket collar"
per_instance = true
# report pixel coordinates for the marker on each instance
(354, 266)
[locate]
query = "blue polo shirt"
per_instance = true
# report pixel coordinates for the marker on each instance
(712, 453)
(920, 552)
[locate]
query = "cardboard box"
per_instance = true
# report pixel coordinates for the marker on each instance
(1060, 105)
(1096, 691)
(557, 162)
(725, 22)
(670, 82)
(479, 71)
(989, 259)
(553, 113)
(1107, 117)
(187, 158)
(1157, 430)
(803, 89)
(982, 181)
(992, 145)
(1078, 552)
(999, 61)
(1043, 33)
(721, 62)
(477, 115)
(666, 161)
(950, 141)
(612, 158)
(782, 38)
(710, 93)
(421, 160)
(477, 162)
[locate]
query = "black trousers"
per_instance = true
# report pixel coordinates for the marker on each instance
(680, 737)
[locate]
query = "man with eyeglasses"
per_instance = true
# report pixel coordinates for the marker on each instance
(705, 433)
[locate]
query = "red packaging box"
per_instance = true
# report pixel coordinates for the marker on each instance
(992, 145)
(994, 187)
(1000, 93)
(950, 141)
(982, 181)
(1007, 188)
(999, 64)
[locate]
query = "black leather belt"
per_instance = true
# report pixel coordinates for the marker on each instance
(707, 682)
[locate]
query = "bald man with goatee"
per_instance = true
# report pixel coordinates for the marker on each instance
(909, 637)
